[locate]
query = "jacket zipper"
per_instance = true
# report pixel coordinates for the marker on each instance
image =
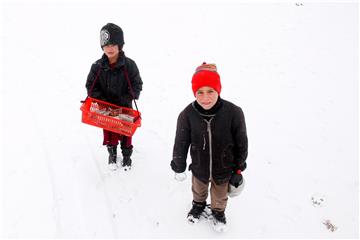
(210, 146)
(204, 145)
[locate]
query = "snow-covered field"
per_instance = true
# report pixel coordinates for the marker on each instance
(292, 67)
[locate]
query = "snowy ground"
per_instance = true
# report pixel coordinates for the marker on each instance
(292, 67)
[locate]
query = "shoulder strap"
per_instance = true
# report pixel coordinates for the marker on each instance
(96, 78)
(92, 86)
(131, 89)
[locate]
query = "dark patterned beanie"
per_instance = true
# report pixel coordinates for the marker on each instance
(111, 34)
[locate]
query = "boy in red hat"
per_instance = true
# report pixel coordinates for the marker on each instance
(115, 78)
(215, 131)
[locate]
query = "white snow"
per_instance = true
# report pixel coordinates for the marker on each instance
(291, 66)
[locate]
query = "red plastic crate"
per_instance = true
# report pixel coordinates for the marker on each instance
(110, 116)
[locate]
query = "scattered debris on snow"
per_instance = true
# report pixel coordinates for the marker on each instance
(318, 200)
(330, 226)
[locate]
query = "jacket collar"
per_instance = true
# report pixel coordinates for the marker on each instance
(208, 113)
(120, 62)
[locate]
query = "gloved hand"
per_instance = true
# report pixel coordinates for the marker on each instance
(180, 176)
(236, 179)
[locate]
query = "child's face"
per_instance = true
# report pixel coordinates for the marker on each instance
(111, 51)
(206, 97)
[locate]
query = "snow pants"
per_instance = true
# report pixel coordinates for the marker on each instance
(218, 193)
(113, 138)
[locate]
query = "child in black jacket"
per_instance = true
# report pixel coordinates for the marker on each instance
(108, 80)
(214, 129)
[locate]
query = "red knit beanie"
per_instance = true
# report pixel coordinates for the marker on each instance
(206, 75)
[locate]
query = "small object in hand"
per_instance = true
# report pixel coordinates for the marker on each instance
(236, 179)
(236, 184)
(180, 176)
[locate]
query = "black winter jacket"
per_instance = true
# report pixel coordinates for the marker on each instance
(112, 85)
(218, 146)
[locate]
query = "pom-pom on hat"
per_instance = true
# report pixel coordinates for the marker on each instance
(206, 75)
(111, 34)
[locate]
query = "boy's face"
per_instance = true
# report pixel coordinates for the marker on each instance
(111, 51)
(206, 97)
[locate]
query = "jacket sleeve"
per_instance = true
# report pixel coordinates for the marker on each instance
(241, 140)
(96, 92)
(181, 145)
(135, 79)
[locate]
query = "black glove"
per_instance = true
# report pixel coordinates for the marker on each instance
(236, 179)
(175, 168)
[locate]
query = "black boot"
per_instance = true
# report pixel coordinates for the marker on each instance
(219, 216)
(126, 152)
(112, 153)
(196, 211)
(219, 221)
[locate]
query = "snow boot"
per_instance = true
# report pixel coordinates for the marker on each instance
(126, 152)
(112, 156)
(219, 221)
(196, 212)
